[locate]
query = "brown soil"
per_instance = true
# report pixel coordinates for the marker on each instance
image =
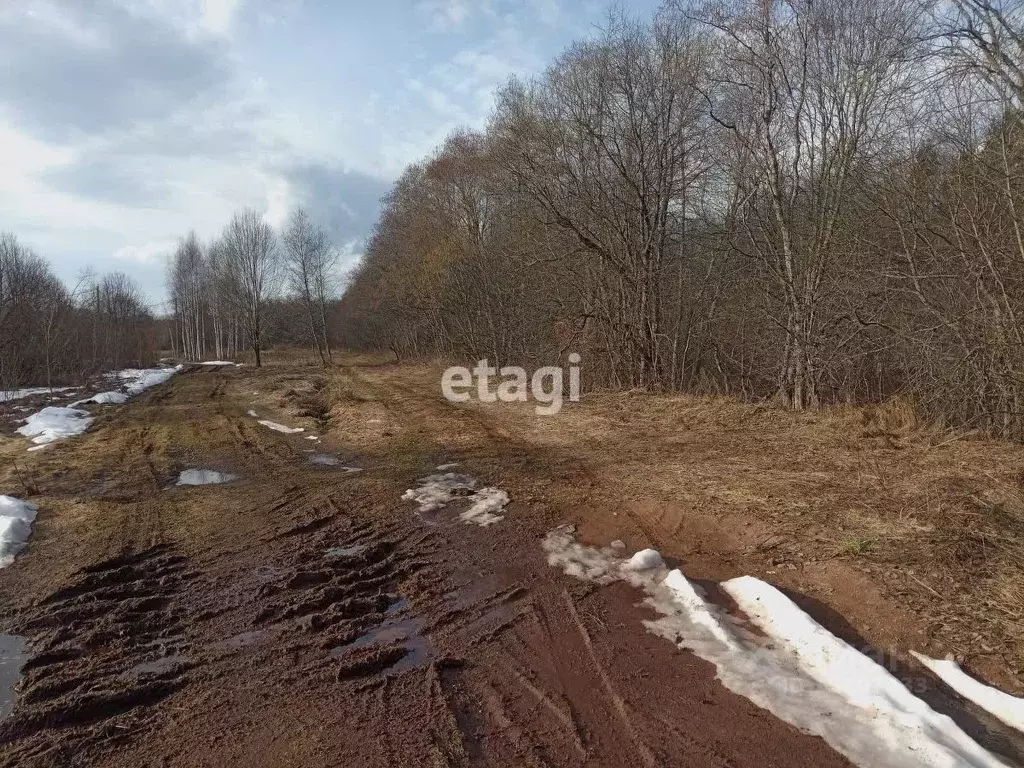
(307, 616)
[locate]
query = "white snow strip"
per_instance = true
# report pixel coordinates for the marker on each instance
(798, 671)
(644, 560)
(18, 394)
(55, 423)
(487, 502)
(281, 427)
(16, 518)
(252, 413)
(140, 379)
(218, 362)
(312, 437)
(103, 398)
(449, 466)
(1009, 709)
(204, 477)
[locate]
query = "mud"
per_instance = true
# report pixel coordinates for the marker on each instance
(309, 618)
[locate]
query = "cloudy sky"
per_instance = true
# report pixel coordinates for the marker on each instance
(126, 123)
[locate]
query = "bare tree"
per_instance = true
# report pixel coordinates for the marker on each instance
(251, 249)
(309, 265)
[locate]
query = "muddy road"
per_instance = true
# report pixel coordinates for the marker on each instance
(306, 615)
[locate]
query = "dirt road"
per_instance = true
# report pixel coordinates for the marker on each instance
(307, 615)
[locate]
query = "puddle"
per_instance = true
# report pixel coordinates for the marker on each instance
(327, 460)
(157, 666)
(243, 640)
(12, 657)
(349, 551)
(407, 631)
(204, 477)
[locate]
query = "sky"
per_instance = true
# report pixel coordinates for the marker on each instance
(124, 124)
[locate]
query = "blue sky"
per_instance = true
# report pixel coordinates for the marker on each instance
(126, 123)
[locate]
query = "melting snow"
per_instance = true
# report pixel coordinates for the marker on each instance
(1009, 709)
(204, 477)
(803, 674)
(138, 380)
(644, 560)
(104, 398)
(281, 427)
(448, 466)
(54, 423)
(18, 394)
(252, 413)
(218, 362)
(16, 518)
(487, 502)
(436, 491)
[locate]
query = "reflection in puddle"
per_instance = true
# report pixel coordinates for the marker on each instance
(406, 631)
(12, 657)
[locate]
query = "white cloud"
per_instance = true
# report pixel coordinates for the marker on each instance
(147, 253)
(279, 201)
(218, 16)
(449, 14)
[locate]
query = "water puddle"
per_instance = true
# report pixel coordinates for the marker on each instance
(331, 462)
(12, 656)
(407, 631)
(204, 477)
(350, 551)
(243, 640)
(157, 666)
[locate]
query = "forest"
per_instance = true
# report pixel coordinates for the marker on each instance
(808, 202)
(804, 201)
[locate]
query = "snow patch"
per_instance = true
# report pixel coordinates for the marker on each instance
(104, 398)
(281, 427)
(252, 413)
(645, 560)
(16, 518)
(218, 362)
(487, 503)
(1009, 709)
(55, 423)
(449, 466)
(137, 380)
(204, 477)
(17, 394)
(796, 670)
(436, 491)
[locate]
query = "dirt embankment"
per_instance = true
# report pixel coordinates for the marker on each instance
(305, 614)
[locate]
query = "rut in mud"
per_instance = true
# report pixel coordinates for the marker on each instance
(309, 616)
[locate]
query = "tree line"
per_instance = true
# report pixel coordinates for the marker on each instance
(51, 334)
(815, 201)
(222, 294)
